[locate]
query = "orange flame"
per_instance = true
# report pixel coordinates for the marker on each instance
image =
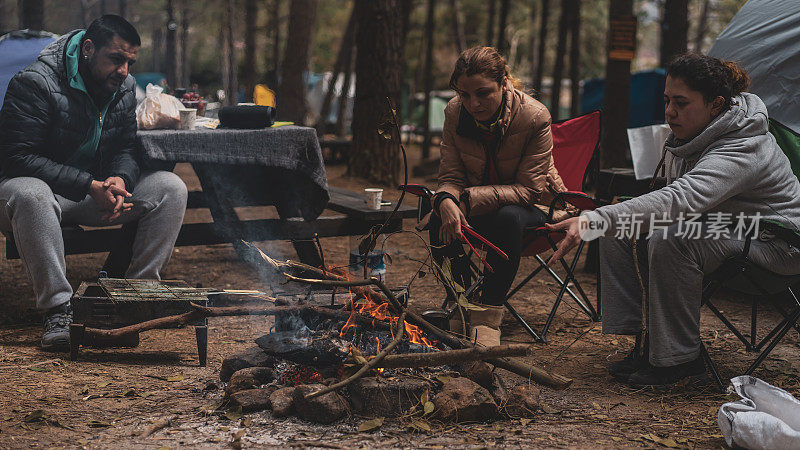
(380, 312)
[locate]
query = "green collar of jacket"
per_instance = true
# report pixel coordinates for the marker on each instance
(491, 125)
(84, 156)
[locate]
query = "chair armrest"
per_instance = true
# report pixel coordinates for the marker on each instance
(580, 200)
(771, 228)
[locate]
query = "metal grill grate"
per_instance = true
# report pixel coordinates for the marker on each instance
(125, 290)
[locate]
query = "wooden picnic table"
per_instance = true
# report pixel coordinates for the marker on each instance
(290, 177)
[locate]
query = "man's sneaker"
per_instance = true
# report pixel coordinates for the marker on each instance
(662, 376)
(56, 328)
(632, 362)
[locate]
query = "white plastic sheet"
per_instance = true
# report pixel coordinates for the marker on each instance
(647, 143)
(766, 417)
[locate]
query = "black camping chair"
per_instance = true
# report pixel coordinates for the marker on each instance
(741, 274)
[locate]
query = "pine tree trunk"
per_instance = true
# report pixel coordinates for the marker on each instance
(561, 50)
(103, 8)
(342, 65)
(249, 75)
(490, 22)
(4, 25)
(540, 53)
(458, 27)
(575, 58)
(158, 41)
(232, 88)
(532, 42)
(702, 27)
(86, 12)
(674, 30)
(170, 56)
(224, 61)
(31, 14)
(344, 96)
(291, 99)
(275, 21)
(616, 100)
(428, 78)
(502, 44)
(379, 63)
(186, 54)
(123, 8)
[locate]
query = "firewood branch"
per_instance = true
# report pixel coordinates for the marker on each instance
(453, 357)
(199, 312)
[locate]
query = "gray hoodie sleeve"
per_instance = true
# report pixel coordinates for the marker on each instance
(724, 170)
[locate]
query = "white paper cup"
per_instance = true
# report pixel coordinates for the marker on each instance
(188, 117)
(373, 196)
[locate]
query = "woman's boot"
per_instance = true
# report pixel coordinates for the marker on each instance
(484, 325)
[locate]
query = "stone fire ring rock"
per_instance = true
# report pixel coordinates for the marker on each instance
(463, 400)
(324, 409)
(252, 400)
(282, 402)
(249, 378)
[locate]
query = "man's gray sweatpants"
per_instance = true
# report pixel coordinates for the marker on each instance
(29, 208)
(673, 270)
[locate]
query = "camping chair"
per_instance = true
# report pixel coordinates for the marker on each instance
(574, 143)
(742, 275)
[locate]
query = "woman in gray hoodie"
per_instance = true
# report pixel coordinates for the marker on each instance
(720, 161)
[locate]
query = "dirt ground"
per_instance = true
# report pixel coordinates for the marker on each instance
(108, 397)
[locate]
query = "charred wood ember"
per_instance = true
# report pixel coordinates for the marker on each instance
(306, 347)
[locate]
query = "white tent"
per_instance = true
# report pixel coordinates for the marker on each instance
(764, 39)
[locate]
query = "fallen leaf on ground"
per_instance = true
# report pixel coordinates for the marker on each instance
(370, 425)
(234, 413)
(174, 378)
(98, 424)
(34, 416)
(420, 425)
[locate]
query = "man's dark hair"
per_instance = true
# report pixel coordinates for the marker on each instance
(103, 30)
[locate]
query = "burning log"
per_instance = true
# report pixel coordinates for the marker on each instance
(371, 364)
(453, 357)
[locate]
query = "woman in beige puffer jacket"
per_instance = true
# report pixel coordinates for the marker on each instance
(496, 175)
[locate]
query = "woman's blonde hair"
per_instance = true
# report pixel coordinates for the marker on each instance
(485, 61)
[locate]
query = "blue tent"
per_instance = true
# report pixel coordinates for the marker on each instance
(18, 49)
(647, 97)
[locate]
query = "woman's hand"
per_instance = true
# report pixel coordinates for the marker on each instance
(571, 227)
(452, 219)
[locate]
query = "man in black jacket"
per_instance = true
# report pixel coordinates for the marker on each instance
(68, 154)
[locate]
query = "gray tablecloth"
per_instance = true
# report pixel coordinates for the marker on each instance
(295, 149)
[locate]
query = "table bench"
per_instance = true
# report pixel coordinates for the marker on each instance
(337, 149)
(355, 219)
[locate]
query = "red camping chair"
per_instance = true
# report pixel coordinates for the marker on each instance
(574, 143)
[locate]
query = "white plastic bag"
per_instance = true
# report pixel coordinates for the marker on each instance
(158, 110)
(766, 417)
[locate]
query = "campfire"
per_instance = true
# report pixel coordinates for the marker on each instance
(373, 362)
(363, 350)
